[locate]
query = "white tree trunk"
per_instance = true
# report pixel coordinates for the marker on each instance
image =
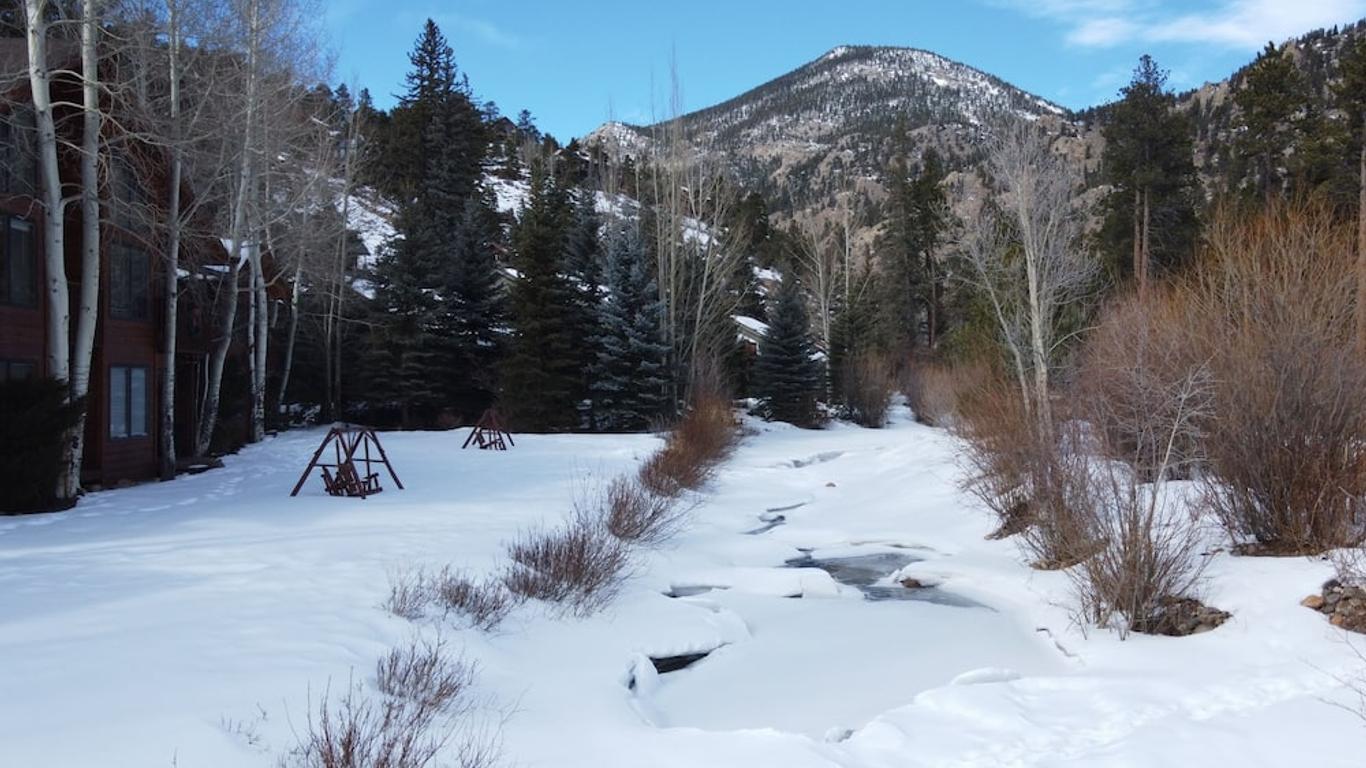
(208, 421)
(88, 313)
(54, 206)
(171, 280)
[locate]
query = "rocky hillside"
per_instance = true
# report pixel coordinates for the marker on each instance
(830, 125)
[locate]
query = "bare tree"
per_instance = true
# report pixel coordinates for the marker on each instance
(1026, 256)
(823, 267)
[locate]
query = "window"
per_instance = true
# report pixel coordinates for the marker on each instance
(128, 199)
(15, 370)
(128, 280)
(17, 167)
(127, 401)
(18, 262)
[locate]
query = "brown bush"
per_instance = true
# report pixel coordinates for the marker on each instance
(579, 566)
(422, 674)
(866, 389)
(998, 438)
(634, 513)
(1271, 305)
(422, 715)
(409, 593)
(485, 603)
(1141, 405)
(701, 439)
(933, 389)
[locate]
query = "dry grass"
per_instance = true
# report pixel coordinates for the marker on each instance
(1271, 308)
(579, 566)
(701, 439)
(866, 390)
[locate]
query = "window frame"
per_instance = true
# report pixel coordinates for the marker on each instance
(122, 376)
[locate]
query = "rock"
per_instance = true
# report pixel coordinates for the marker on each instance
(1332, 597)
(1336, 620)
(910, 583)
(830, 485)
(1314, 602)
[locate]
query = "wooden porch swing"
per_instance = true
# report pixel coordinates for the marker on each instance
(490, 434)
(351, 446)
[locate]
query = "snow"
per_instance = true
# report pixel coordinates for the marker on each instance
(372, 219)
(756, 326)
(191, 621)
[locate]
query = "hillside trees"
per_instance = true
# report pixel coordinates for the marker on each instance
(1351, 99)
(1270, 101)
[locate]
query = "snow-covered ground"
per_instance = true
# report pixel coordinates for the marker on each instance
(189, 623)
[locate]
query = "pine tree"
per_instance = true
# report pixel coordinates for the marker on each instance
(471, 317)
(541, 376)
(630, 375)
(900, 253)
(1270, 100)
(400, 357)
(787, 380)
(583, 266)
(1150, 214)
(929, 219)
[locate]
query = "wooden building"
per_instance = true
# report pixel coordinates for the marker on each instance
(127, 365)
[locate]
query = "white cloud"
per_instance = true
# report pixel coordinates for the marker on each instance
(1227, 23)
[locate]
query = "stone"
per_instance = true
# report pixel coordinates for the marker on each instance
(1314, 602)
(830, 485)
(1336, 620)
(910, 583)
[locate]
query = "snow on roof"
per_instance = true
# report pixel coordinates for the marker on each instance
(753, 324)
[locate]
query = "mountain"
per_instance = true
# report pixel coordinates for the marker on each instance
(832, 124)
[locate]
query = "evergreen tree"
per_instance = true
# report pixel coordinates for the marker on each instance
(1150, 214)
(583, 266)
(901, 254)
(471, 316)
(787, 380)
(541, 377)
(1271, 102)
(929, 219)
(630, 374)
(400, 360)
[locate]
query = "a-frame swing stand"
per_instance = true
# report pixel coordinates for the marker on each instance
(351, 450)
(490, 434)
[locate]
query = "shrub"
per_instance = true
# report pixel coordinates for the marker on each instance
(700, 440)
(579, 566)
(485, 603)
(1142, 406)
(633, 513)
(34, 420)
(408, 728)
(421, 674)
(997, 435)
(1286, 456)
(866, 387)
(409, 593)
(933, 389)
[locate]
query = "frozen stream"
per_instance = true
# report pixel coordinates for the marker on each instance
(795, 674)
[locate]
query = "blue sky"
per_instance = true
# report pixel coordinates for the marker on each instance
(574, 64)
